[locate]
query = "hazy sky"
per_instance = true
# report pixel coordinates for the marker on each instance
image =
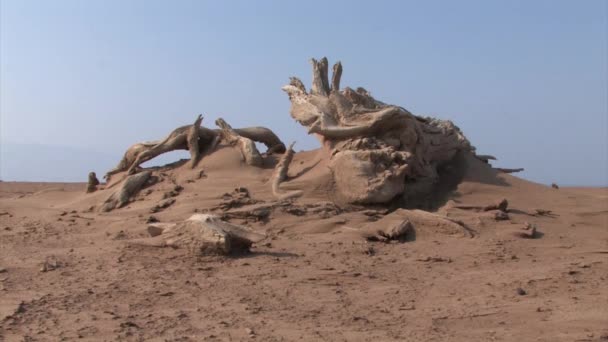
(527, 81)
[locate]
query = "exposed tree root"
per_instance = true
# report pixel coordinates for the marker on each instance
(128, 188)
(185, 138)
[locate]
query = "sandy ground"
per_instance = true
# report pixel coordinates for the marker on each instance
(68, 272)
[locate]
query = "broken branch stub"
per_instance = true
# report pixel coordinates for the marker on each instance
(374, 149)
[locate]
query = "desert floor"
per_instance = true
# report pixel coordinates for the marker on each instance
(68, 271)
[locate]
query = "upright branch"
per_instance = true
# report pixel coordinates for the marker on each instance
(280, 175)
(335, 79)
(192, 140)
(319, 77)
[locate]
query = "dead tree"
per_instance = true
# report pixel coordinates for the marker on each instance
(374, 149)
(198, 140)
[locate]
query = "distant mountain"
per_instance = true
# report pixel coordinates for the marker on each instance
(35, 162)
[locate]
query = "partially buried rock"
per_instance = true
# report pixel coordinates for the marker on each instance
(528, 231)
(164, 204)
(397, 232)
(501, 215)
(50, 264)
(202, 234)
(502, 206)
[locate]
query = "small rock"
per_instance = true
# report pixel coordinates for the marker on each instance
(152, 219)
(49, 264)
(529, 231)
(521, 291)
(554, 186)
(250, 332)
(435, 259)
(369, 250)
(2, 269)
(501, 216)
(121, 235)
(162, 205)
(502, 206)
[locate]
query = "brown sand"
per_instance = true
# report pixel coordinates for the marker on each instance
(67, 272)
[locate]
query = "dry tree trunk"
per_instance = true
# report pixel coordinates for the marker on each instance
(128, 188)
(247, 147)
(374, 149)
(280, 175)
(201, 234)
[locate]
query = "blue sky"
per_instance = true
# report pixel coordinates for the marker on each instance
(527, 81)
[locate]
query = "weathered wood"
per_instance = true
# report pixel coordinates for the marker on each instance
(183, 138)
(372, 147)
(247, 147)
(127, 189)
(503, 170)
(280, 175)
(192, 140)
(336, 76)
